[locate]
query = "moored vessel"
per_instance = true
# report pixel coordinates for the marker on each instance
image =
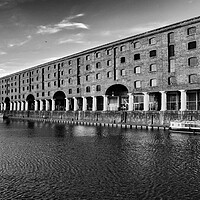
(185, 126)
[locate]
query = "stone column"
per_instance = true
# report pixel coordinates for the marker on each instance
(14, 105)
(18, 106)
(46, 105)
(36, 105)
(26, 105)
(0, 106)
(84, 104)
(130, 102)
(4, 106)
(53, 104)
(75, 104)
(163, 101)
(105, 102)
(183, 100)
(67, 104)
(41, 105)
(10, 106)
(22, 105)
(146, 101)
(94, 103)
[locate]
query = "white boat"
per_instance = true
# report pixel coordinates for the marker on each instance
(185, 126)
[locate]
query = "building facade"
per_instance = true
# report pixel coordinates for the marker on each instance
(158, 70)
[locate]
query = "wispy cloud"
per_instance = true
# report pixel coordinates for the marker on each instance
(77, 38)
(19, 43)
(2, 53)
(5, 4)
(134, 30)
(64, 24)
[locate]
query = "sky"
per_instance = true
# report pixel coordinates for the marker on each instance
(33, 32)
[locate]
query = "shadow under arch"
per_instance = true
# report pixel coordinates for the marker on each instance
(59, 98)
(7, 102)
(117, 97)
(31, 102)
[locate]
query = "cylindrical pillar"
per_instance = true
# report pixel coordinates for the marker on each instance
(46, 105)
(36, 105)
(11, 107)
(183, 100)
(130, 102)
(53, 104)
(94, 103)
(84, 103)
(41, 105)
(163, 101)
(14, 105)
(105, 102)
(146, 101)
(26, 105)
(67, 104)
(22, 105)
(75, 104)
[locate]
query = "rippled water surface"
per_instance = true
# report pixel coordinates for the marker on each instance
(55, 161)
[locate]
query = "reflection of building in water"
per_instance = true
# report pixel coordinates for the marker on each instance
(156, 70)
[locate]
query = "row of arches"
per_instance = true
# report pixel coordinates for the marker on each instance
(117, 98)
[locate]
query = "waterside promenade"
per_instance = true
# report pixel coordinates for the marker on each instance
(124, 119)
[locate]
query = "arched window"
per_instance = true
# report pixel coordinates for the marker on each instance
(137, 45)
(109, 63)
(87, 78)
(193, 78)
(137, 84)
(109, 74)
(153, 68)
(137, 70)
(152, 40)
(153, 82)
(98, 76)
(88, 89)
(98, 88)
(192, 61)
(98, 65)
(87, 67)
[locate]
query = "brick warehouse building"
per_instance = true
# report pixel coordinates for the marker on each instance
(153, 71)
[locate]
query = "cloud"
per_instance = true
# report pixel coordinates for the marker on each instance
(7, 4)
(2, 53)
(77, 38)
(121, 33)
(64, 24)
(20, 43)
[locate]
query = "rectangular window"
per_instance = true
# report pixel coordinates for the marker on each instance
(153, 82)
(171, 50)
(192, 45)
(152, 40)
(137, 70)
(123, 72)
(137, 56)
(138, 102)
(192, 61)
(191, 31)
(153, 68)
(173, 101)
(171, 65)
(171, 37)
(137, 45)
(137, 84)
(193, 78)
(152, 53)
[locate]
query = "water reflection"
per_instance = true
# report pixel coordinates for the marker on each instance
(58, 161)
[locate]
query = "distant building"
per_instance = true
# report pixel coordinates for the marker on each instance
(157, 70)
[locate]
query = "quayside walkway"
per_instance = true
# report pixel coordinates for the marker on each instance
(141, 119)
